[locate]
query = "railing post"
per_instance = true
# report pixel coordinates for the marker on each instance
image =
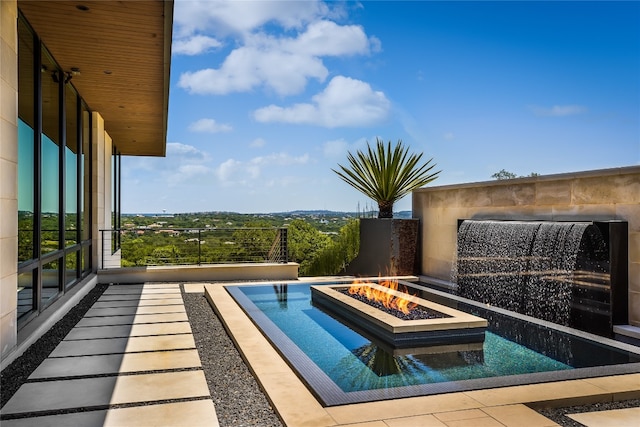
(199, 246)
(102, 238)
(284, 245)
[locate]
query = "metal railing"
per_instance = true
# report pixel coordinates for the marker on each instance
(149, 246)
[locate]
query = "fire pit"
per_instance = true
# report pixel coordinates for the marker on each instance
(439, 325)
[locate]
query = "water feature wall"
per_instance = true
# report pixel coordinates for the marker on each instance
(555, 271)
(606, 195)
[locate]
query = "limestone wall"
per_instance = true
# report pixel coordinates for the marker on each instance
(609, 194)
(8, 171)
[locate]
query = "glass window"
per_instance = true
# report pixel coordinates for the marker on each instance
(26, 143)
(85, 165)
(71, 167)
(25, 293)
(50, 282)
(71, 267)
(50, 155)
(54, 178)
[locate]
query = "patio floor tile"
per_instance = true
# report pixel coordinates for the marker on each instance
(114, 363)
(573, 392)
(123, 345)
(95, 392)
(198, 413)
(131, 319)
(118, 331)
(122, 311)
(138, 302)
(629, 417)
(419, 420)
(144, 296)
(518, 415)
(80, 419)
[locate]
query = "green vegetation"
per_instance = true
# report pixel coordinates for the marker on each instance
(505, 174)
(386, 175)
(323, 243)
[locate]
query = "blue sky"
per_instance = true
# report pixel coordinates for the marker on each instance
(267, 97)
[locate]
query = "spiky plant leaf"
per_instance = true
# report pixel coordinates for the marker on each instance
(386, 175)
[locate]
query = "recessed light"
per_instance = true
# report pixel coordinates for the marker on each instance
(82, 7)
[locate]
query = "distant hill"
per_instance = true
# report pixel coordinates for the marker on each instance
(400, 214)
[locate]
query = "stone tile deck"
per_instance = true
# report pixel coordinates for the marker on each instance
(131, 361)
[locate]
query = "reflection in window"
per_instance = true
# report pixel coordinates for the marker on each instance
(26, 159)
(25, 293)
(50, 194)
(85, 164)
(71, 168)
(71, 267)
(50, 281)
(25, 192)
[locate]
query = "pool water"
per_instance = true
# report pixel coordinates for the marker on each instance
(350, 366)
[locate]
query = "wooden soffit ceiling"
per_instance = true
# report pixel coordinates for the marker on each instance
(122, 50)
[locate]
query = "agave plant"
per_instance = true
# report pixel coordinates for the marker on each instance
(386, 174)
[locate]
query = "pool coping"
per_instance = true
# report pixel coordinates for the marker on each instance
(296, 405)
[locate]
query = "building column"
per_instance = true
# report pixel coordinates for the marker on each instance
(8, 176)
(101, 191)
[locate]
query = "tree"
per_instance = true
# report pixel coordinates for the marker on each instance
(304, 242)
(504, 174)
(386, 175)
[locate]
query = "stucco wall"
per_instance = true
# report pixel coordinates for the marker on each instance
(610, 194)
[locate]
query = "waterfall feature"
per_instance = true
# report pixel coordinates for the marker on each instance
(554, 271)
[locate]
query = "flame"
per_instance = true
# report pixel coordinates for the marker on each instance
(387, 299)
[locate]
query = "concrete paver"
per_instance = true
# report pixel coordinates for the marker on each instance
(135, 348)
(138, 302)
(118, 331)
(196, 413)
(131, 319)
(123, 311)
(629, 417)
(518, 415)
(123, 345)
(127, 297)
(56, 367)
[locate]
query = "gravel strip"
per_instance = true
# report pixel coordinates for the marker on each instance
(238, 399)
(17, 373)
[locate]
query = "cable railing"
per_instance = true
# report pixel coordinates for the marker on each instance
(154, 246)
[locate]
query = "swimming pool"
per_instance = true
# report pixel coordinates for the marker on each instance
(341, 364)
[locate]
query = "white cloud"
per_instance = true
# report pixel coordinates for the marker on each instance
(279, 159)
(247, 67)
(209, 125)
(241, 17)
(335, 149)
(326, 38)
(344, 102)
(194, 45)
(247, 173)
(183, 162)
(282, 64)
(449, 136)
(257, 143)
(558, 110)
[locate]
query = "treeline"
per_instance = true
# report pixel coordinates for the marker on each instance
(321, 244)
